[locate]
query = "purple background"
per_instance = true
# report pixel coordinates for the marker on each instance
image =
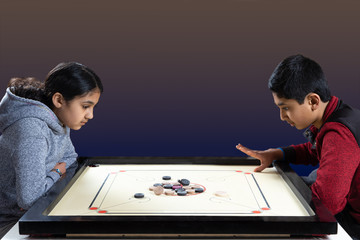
(182, 78)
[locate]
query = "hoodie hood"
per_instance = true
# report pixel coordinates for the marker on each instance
(14, 108)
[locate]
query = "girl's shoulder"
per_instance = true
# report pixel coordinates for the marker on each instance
(29, 126)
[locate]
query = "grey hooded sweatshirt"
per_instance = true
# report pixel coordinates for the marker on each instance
(32, 141)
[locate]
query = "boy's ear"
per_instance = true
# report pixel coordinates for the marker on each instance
(314, 101)
(58, 100)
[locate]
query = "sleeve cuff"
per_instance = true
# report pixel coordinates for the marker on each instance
(54, 176)
(289, 154)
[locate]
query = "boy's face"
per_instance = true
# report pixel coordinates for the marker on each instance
(297, 115)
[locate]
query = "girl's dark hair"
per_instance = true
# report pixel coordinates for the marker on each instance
(297, 76)
(27, 88)
(70, 79)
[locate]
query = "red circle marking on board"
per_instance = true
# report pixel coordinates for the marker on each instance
(122, 171)
(93, 208)
(102, 211)
(256, 212)
(265, 208)
(248, 173)
(201, 186)
(238, 171)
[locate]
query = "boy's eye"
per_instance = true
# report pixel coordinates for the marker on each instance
(285, 108)
(85, 107)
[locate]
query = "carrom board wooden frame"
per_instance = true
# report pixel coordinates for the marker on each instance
(37, 221)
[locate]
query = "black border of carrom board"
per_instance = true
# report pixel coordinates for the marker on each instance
(36, 220)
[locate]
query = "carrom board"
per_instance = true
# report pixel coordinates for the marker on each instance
(100, 199)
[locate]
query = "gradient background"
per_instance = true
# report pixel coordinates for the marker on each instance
(182, 78)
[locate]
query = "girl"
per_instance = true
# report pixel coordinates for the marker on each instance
(35, 145)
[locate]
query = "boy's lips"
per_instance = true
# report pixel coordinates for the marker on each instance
(291, 123)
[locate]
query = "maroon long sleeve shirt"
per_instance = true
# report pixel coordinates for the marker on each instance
(336, 150)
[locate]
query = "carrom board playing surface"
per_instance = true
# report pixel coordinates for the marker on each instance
(227, 190)
(99, 199)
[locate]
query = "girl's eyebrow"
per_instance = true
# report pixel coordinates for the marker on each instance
(89, 102)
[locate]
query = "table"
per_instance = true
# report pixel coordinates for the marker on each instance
(13, 234)
(234, 201)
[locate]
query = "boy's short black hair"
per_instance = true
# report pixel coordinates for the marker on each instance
(297, 76)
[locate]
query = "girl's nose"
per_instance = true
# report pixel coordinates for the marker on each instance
(90, 114)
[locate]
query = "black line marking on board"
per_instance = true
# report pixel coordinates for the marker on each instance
(108, 191)
(99, 190)
(257, 202)
(260, 191)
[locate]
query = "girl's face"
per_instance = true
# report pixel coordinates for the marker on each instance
(78, 111)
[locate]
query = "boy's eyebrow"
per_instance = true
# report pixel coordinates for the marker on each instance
(281, 104)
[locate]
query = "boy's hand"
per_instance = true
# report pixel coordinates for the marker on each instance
(266, 157)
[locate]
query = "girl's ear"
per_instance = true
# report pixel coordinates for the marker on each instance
(58, 100)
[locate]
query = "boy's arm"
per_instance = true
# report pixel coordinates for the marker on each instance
(340, 157)
(297, 154)
(301, 154)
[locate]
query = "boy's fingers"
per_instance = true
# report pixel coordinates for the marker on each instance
(252, 153)
(260, 168)
(247, 151)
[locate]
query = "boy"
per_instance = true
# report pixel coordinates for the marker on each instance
(300, 90)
